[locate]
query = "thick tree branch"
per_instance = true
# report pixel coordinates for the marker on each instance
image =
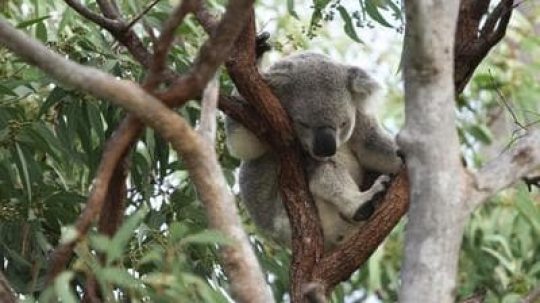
(247, 281)
(506, 169)
(307, 241)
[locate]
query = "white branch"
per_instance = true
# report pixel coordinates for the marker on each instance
(207, 123)
(430, 142)
(246, 278)
(506, 169)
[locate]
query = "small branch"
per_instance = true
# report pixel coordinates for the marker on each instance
(141, 14)
(531, 181)
(6, 292)
(109, 8)
(164, 42)
(205, 18)
(244, 273)
(472, 43)
(212, 54)
(207, 123)
(104, 22)
(506, 169)
(533, 296)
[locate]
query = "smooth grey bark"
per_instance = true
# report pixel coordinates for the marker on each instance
(430, 142)
(443, 192)
(240, 263)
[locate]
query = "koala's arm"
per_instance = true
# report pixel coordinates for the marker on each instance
(333, 184)
(374, 148)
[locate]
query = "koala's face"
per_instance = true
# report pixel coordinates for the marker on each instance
(321, 97)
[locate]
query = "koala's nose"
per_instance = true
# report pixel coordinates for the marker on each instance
(324, 144)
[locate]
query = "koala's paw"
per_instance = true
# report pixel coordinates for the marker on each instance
(377, 192)
(261, 44)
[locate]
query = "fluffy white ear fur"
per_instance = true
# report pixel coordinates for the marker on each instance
(363, 87)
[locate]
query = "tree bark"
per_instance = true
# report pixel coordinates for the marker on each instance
(430, 142)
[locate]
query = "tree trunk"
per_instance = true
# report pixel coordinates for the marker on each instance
(430, 142)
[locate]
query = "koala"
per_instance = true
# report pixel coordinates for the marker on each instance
(327, 103)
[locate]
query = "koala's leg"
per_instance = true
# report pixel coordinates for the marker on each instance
(259, 191)
(241, 142)
(373, 146)
(332, 183)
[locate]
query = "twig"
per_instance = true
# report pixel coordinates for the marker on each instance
(141, 14)
(104, 22)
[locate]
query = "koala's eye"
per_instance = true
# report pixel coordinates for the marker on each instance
(344, 124)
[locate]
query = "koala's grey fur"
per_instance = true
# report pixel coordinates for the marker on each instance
(327, 104)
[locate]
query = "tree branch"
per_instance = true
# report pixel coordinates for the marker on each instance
(506, 169)
(163, 44)
(6, 292)
(247, 281)
(109, 8)
(207, 123)
(104, 22)
(125, 136)
(141, 14)
(472, 42)
(307, 241)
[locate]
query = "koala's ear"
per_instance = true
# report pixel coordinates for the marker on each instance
(279, 74)
(361, 84)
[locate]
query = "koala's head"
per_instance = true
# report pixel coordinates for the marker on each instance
(321, 97)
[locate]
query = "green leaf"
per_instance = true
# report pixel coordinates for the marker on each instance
(527, 209)
(124, 234)
(25, 173)
(6, 91)
(41, 32)
(30, 22)
(62, 286)
(207, 237)
(119, 277)
(373, 11)
(481, 133)
(348, 27)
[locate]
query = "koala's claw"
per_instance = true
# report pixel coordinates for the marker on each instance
(367, 209)
(261, 44)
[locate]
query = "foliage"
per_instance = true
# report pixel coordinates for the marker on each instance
(52, 137)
